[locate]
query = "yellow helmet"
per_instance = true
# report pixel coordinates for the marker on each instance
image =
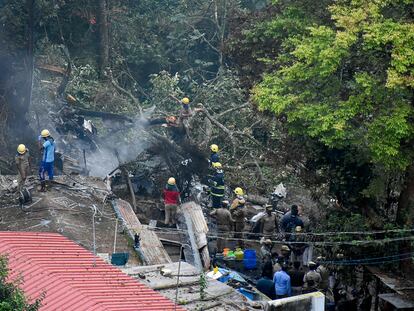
(214, 148)
(185, 100)
(239, 191)
(217, 165)
(171, 181)
(45, 133)
(21, 149)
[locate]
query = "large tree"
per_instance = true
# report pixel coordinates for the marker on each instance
(349, 85)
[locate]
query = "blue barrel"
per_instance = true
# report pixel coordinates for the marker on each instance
(249, 259)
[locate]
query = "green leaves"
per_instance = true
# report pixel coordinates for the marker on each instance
(349, 85)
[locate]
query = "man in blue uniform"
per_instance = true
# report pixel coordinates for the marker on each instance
(47, 146)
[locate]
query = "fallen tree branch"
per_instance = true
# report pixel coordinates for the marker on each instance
(229, 133)
(231, 110)
(125, 92)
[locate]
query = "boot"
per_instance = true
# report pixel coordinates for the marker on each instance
(43, 186)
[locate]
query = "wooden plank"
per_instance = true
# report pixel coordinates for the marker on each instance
(151, 247)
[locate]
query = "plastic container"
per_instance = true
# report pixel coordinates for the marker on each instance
(119, 259)
(225, 251)
(249, 260)
(230, 255)
(239, 254)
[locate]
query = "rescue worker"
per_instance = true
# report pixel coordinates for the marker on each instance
(269, 223)
(283, 287)
(285, 252)
(266, 249)
(214, 157)
(171, 201)
(217, 186)
(224, 224)
(185, 112)
(239, 198)
(296, 277)
(239, 215)
(48, 157)
(23, 165)
(298, 248)
(265, 283)
(324, 272)
(291, 220)
(312, 279)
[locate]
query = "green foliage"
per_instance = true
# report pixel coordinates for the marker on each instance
(348, 85)
(11, 297)
(203, 286)
(164, 88)
(84, 83)
(342, 222)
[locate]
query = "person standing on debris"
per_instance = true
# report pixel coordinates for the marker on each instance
(217, 185)
(171, 201)
(185, 112)
(324, 272)
(282, 283)
(224, 225)
(291, 220)
(23, 165)
(265, 283)
(269, 223)
(296, 278)
(48, 158)
(312, 279)
(214, 157)
(239, 198)
(239, 215)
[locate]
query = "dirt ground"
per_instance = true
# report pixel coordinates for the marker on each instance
(69, 210)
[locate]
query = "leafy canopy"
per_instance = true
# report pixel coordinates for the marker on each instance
(349, 84)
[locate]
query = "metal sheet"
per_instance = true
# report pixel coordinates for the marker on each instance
(151, 247)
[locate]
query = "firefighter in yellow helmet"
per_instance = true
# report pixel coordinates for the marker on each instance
(185, 112)
(239, 198)
(47, 147)
(171, 201)
(217, 185)
(238, 213)
(214, 157)
(22, 160)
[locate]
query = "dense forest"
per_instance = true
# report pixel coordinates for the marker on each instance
(312, 92)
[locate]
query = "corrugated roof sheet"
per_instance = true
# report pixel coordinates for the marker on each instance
(52, 264)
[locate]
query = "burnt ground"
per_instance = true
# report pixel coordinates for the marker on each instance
(67, 210)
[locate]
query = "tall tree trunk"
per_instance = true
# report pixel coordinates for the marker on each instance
(103, 36)
(405, 215)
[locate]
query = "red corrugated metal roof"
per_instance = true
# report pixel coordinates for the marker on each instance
(52, 264)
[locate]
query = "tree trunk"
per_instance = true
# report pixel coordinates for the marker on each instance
(405, 214)
(405, 210)
(102, 15)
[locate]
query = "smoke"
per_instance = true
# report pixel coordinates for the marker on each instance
(116, 143)
(117, 148)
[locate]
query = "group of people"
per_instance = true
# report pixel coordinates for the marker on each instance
(46, 145)
(289, 272)
(281, 278)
